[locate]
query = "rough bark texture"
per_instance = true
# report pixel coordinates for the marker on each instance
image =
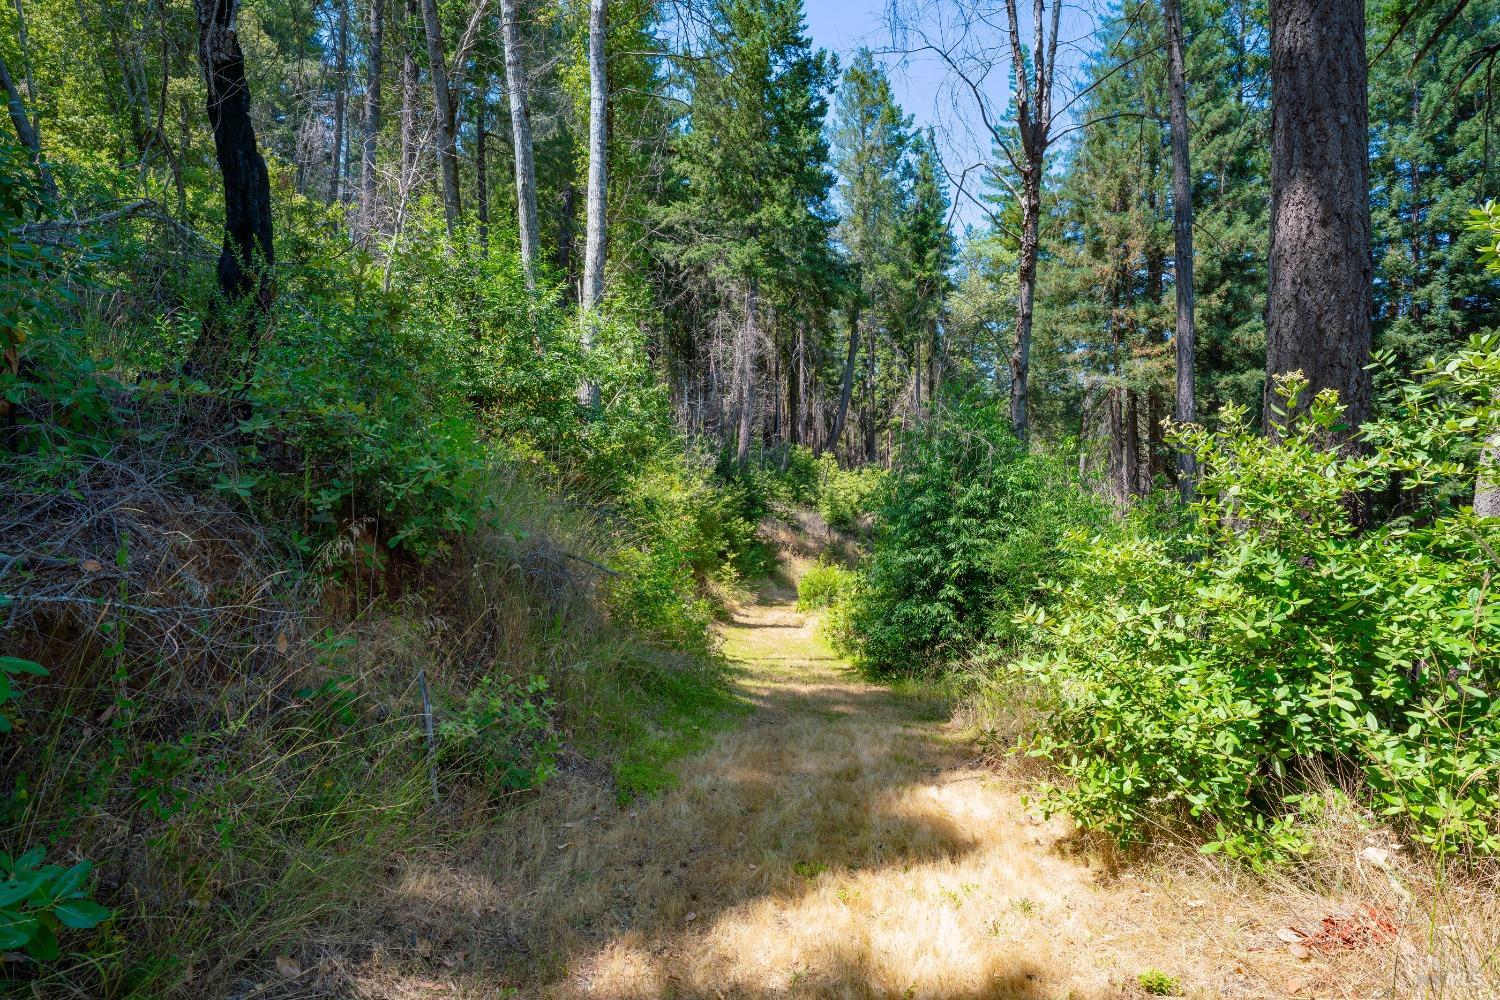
(367, 208)
(1321, 296)
(247, 257)
(1185, 334)
(520, 126)
(442, 112)
(1487, 487)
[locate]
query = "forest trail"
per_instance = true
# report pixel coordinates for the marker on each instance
(839, 843)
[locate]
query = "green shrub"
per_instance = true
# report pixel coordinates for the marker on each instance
(501, 739)
(844, 496)
(823, 585)
(1289, 644)
(1157, 983)
(38, 900)
(967, 531)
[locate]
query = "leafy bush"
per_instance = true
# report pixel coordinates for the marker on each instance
(36, 899)
(844, 496)
(501, 739)
(1289, 644)
(967, 530)
(823, 585)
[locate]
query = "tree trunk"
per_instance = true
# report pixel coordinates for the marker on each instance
(794, 385)
(1020, 357)
(933, 364)
(566, 215)
(410, 84)
(1185, 335)
(1130, 480)
(868, 414)
(846, 387)
(1487, 485)
(372, 118)
(247, 257)
(591, 295)
(749, 336)
(1318, 309)
(1156, 449)
(593, 254)
(340, 101)
(442, 110)
(520, 125)
(1117, 449)
(26, 132)
(482, 166)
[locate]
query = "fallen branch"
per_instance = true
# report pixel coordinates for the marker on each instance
(64, 232)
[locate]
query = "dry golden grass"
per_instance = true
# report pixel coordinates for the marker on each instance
(843, 844)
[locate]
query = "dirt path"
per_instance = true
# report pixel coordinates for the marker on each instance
(837, 844)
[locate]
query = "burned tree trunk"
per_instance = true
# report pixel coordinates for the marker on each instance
(247, 258)
(1185, 334)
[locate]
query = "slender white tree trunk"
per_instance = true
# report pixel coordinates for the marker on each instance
(592, 293)
(593, 256)
(372, 119)
(520, 126)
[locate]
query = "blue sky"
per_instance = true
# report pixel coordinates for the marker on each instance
(923, 86)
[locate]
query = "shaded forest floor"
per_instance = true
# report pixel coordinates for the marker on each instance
(844, 841)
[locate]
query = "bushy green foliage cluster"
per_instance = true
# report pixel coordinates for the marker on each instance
(845, 496)
(824, 585)
(367, 440)
(502, 738)
(968, 529)
(37, 900)
(1219, 676)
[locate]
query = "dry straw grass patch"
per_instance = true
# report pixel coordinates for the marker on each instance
(844, 843)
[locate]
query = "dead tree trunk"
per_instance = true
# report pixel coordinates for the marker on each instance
(520, 126)
(594, 243)
(410, 85)
(1321, 296)
(340, 101)
(442, 110)
(482, 166)
(592, 293)
(247, 258)
(846, 385)
(1185, 334)
(749, 337)
(372, 118)
(1033, 99)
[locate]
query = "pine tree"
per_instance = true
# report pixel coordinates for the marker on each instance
(754, 180)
